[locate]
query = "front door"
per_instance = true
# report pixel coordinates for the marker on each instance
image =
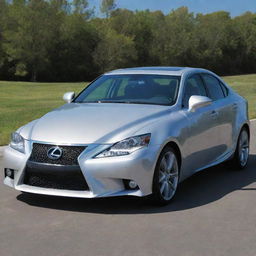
(201, 146)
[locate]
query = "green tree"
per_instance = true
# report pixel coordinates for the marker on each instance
(107, 6)
(72, 55)
(245, 28)
(172, 42)
(114, 51)
(215, 41)
(138, 26)
(3, 9)
(61, 40)
(28, 36)
(60, 6)
(81, 7)
(122, 21)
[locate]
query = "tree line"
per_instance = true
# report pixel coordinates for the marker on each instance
(61, 40)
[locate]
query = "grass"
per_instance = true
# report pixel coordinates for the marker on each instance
(245, 85)
(22, 102)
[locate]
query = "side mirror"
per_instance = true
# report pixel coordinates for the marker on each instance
(197, 101)
(68, 96)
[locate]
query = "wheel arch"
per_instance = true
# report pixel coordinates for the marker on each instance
(176, 148)
(243, 126)
(247, 127)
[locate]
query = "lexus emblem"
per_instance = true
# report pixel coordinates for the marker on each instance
(54, 153)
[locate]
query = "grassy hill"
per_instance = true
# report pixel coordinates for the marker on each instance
(21, 102)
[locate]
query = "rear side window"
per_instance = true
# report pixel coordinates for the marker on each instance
(224, 89)
(213, 87)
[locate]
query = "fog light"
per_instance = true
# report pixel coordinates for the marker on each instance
(9, 173)
(132, 184)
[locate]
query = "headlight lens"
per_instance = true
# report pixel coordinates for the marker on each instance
(17, 142)
(126, 147)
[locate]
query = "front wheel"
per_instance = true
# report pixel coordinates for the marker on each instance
(166, 177)
(241, 156)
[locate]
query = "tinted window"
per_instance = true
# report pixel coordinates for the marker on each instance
(213, 87)
(224, 89)
(139, 89)
(193, 86)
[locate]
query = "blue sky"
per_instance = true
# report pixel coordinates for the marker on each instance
(235, 7)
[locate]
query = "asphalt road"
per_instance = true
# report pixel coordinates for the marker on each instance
(214, 213)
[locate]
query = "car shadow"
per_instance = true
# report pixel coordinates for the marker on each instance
(202, 188)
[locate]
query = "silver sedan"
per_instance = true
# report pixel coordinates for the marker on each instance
(136, 131)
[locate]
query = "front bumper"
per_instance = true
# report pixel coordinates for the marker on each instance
(104, 176)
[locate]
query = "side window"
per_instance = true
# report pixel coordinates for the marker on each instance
(224, 89)
(213, 87)
(193, 86)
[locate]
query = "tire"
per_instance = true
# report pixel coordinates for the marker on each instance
(166, 177)
(241, 156)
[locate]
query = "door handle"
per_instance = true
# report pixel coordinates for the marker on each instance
(214, 114)
(234, 106)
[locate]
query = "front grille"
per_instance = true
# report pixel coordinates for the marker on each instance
(69, 156)
(55, 179)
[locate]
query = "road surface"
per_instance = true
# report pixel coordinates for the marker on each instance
(214, 213)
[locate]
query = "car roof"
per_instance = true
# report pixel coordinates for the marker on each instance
(176, 71)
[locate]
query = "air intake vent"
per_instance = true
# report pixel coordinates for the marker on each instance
(56, 178)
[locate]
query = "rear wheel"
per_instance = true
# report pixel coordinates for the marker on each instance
(166, 177)
(241, 156)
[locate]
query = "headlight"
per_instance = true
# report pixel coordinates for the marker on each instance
(126, 147)
(17, 142)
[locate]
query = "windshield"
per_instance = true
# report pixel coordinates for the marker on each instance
(132, 89)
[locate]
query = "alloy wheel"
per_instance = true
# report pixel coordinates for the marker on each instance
(243, 148)
(168, 175)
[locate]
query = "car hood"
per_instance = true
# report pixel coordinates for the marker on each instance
(99, 123)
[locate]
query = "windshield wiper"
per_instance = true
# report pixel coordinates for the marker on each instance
(122, 102)
(103, 101)
(113, 101)
(93, 101)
